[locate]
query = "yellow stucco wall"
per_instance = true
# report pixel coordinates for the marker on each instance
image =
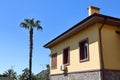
(111, 47)
(73, 42)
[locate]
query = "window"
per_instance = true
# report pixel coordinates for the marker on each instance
(66, 56)
(83, 46)
(54, 61)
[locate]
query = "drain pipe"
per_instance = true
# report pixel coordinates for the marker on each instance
(101, 50)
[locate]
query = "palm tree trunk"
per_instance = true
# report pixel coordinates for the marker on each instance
(30, 53)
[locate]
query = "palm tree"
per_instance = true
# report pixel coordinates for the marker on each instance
(30, 25)
(11, 74)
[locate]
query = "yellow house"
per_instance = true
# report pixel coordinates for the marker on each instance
(90, 50)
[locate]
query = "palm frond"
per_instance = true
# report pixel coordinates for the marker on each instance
(37, 22)
(24, 25)
(32, 22)
(29, 23)
(26, 20)
(39, 27)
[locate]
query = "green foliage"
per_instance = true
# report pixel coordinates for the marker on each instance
(48, 72)
(46, 76)
(30, 23)
(3, 75)
(10, 73)
(40, 78)
(25, 75)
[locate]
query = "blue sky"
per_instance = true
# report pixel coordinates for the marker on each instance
(56, 16)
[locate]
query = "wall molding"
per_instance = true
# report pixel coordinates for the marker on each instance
(93, 70)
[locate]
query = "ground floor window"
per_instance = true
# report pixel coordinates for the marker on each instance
(54, 61)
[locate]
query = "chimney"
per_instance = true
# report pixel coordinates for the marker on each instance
(92, 10)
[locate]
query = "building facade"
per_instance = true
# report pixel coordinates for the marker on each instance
(87, 51)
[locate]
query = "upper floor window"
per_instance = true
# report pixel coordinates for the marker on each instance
(54, 61)
(83, 46)
(66, 56)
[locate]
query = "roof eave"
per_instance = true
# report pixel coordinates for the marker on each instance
(95, 18)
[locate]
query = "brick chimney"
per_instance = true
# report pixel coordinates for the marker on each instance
(92, 10)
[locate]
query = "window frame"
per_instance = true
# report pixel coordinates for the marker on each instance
(54, 61)
(81, 50)
(68, 61)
